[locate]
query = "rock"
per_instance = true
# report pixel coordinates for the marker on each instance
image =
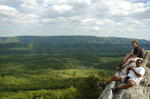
(137, 92)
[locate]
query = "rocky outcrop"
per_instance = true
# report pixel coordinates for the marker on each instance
(137, 92)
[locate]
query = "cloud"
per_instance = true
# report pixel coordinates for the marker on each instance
(11, 2)
(8, 11)
(92, 17)
(96, 28)
(119, 7)
(12, 15)
(62, 8)
(125, 8)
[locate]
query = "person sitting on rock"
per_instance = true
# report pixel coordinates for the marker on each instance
(132, 57)
(133, 77)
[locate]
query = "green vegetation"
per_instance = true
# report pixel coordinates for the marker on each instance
(69, 40)
(69, 93)
(58, 61)
(66, 44)
(87, 88)
(42, 76)
(58, 67)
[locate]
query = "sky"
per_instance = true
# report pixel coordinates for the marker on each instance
(107, 18)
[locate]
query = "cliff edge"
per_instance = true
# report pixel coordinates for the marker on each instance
(137, 92)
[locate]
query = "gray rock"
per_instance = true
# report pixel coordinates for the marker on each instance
(137, 92)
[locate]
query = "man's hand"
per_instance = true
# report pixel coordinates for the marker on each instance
(130, 68)
(136, 73)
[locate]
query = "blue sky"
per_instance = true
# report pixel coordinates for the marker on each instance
(117, 18)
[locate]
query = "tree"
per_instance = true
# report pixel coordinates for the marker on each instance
(87, 88)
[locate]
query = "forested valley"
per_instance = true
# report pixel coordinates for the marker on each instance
(58, 67)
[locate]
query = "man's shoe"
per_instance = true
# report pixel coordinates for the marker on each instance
(120, 64)
(115, 89)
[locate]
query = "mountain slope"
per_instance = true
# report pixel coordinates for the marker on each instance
(67, 44)
(68, 40)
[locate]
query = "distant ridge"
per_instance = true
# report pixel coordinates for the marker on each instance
(67, 44)
(68, 39)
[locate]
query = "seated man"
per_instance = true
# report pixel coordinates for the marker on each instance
(133, 77)
(136, 54)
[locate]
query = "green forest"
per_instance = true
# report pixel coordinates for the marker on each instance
(59, 67)
(55, 76)
(66, 44)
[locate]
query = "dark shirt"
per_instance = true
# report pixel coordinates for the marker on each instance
(138, 52)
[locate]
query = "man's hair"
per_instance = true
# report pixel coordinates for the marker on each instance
(134, 41)
(141, 60)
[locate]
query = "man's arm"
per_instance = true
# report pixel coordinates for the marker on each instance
(136, 73)
(127, 71)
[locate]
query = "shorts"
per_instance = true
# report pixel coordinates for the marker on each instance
(137, 81)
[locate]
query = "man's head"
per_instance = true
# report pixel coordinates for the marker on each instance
(135, 43)
(139, 62)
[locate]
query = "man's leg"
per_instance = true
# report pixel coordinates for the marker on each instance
(130, 83)
(126, 58)
(115, 78)
(126, 63)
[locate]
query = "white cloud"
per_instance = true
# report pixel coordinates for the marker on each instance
(107, 17)
(62, 8)
(88, 20)
(8, 11)
(96, 28)
(27, 19)
(11, 2)
(125, 8)
(119, 7)
(97, 21)
(84, 1)
(14, 16)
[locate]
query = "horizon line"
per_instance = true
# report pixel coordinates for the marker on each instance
(72, 36)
